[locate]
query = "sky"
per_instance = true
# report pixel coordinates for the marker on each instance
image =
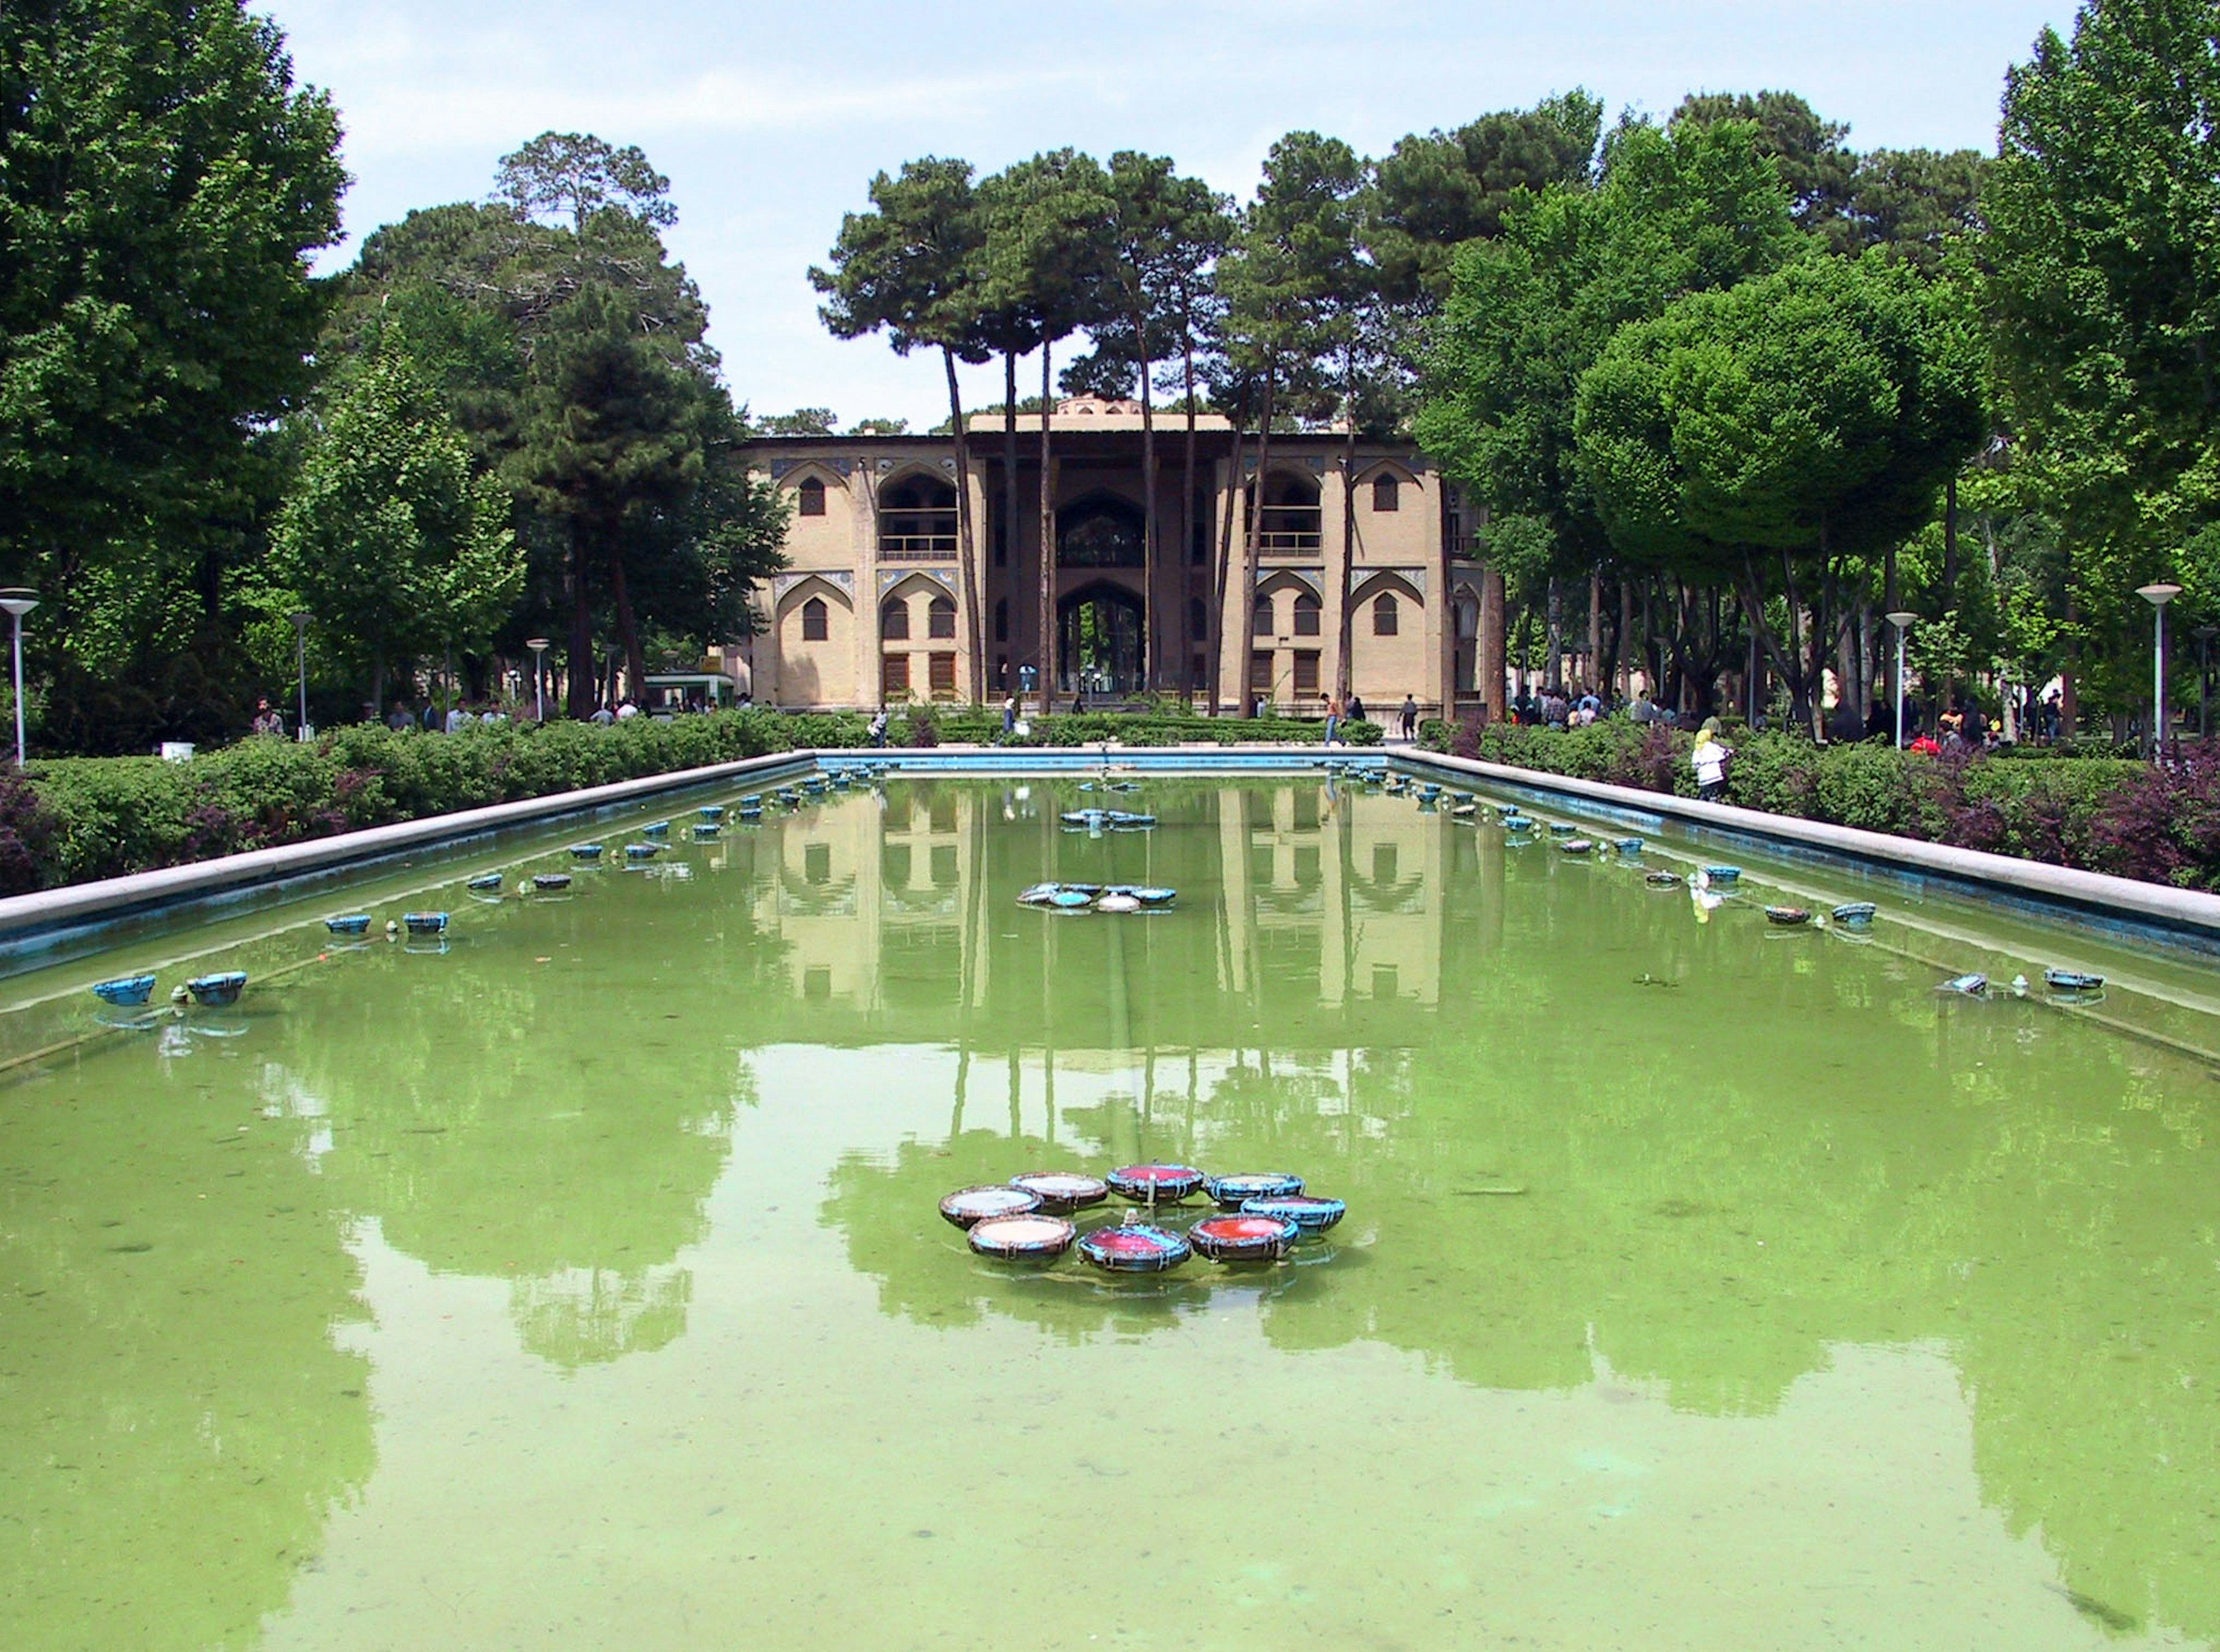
(771, 121)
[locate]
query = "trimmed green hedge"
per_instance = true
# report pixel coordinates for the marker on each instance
(79, 818)
(2100, 814)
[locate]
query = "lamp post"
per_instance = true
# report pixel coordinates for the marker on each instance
(538, 647)
(1902, 620)
(300, 618)
(18, 602)
(2158, 596)
(2204, 634)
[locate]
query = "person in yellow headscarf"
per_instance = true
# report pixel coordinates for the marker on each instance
(1710, 759)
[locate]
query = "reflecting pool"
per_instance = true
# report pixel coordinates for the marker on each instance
(577, 1281)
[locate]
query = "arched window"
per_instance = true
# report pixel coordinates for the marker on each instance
(941, 619)
(1197, 618)
(1306, 614)
(1262, 609)
(813, 620)
(1002, 619)
(1384, 616)
(809, 497)
(1387, 492)
(894, 619)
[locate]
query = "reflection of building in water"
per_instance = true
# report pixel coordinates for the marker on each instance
(896, 910)
(870, 899)
(1331, 897)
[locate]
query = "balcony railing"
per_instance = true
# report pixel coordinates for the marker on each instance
(917, 547)
(1282, 529)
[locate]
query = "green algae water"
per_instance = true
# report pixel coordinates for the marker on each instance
(579, 1282)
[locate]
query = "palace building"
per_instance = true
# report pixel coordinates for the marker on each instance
(871, 608)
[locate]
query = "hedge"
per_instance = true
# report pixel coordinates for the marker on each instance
(73, 820)
(2159, 823)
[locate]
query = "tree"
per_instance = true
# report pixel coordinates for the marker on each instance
(1814, 165)
(1800, 419)
(1435, 192)
(2103, 280)
(1161, 236)
(612, 433)
(573, 353)
(392, 539)
(803, 421)
(912, 267)
(1281, 278)
(576, 175)
(1046, 246)
(162, 181)
(1687, 208)
(1915, 203)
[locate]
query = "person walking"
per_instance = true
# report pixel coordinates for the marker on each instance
(1710, 759)
(1410, 717)
(1333, 715)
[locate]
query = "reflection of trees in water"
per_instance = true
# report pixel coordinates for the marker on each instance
(590, 1316)
(1704, 1185)
(177, 1418)
(558, 1125)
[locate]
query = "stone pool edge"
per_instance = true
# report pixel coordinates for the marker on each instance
(2182, 913)
(29, 922)
(51, 916)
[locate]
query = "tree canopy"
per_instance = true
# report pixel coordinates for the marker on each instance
(163, 181)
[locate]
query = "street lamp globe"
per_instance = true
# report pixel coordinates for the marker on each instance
(1901, 619)
(18, 601)
(539, 646)
(2158, 596)
(300, 618)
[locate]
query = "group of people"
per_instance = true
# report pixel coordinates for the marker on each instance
(1962, 728)
(458, 717)
(1338, 711)
(1572, 707)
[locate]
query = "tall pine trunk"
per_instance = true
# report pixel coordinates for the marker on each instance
(1223, 572)
(967, 564)
(1148, 511)
(1553, 668)
(628, 630)
(1048, 637)
(582, 663)
(1246, 598)
(1345, 631)
(1187, 510)
(1010, 473)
